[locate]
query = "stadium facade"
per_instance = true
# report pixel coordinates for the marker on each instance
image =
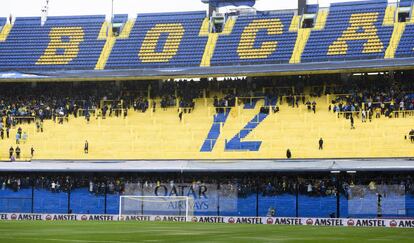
(227, 152)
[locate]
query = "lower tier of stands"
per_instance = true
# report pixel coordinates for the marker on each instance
(161, 135)
(315, 196)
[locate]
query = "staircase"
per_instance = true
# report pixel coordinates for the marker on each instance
(5, 32)
(397, 33)
(209, 51)
(107, 49)
(106, 33)
(321, 20)
(389, 15)
(126, 31)
(213, 37)
(301, 40)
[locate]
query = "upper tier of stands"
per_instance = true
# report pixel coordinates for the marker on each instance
(344, 32)
(273, 29)
(161, 40)
(351, 32)
(2, 21)
(68, 42)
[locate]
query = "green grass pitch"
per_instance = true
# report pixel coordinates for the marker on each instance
(108, 232)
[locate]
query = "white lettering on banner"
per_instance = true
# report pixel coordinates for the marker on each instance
(204, 197)
(351, 222)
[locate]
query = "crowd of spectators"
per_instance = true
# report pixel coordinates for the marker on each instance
(58, 100)
(377, 98)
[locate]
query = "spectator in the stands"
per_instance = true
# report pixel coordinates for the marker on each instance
(18, 151)
(288, 154)
(11, 151)
(364, 116)
(154, 105)
(351, 119)
(180, 116)
(308, 105)
(411, 134)
(17, 138)
(86, 147)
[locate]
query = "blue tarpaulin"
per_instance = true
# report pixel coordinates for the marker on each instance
(223, 3)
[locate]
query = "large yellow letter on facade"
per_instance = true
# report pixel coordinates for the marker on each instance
(148, 52)
(362, 27)
(64, 39)
(246, 49)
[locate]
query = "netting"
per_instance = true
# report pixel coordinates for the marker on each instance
(156, 205)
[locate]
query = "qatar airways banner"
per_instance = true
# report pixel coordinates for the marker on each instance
(340, 222)
(204, 197)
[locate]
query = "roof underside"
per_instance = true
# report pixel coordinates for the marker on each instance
(212, 165)
(183, 72)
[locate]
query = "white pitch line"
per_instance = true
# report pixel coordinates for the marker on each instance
(65, 240)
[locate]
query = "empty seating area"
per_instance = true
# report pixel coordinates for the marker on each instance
(258, 39)
(353, 31)
(3, 22)
(406, 45)
(62, 43)
(161, 40)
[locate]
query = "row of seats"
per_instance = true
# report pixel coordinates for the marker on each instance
(256, 39)
(161, 40)
(406, 45)
(63, 42)
(352, 31)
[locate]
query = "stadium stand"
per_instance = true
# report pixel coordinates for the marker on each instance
(405, 48)
(214, 120)
(161, 40)
(256, 39)
(240, 194)
(348, 31)
(352, 31)
(62, 43)
(3, 22)
(359, 117)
